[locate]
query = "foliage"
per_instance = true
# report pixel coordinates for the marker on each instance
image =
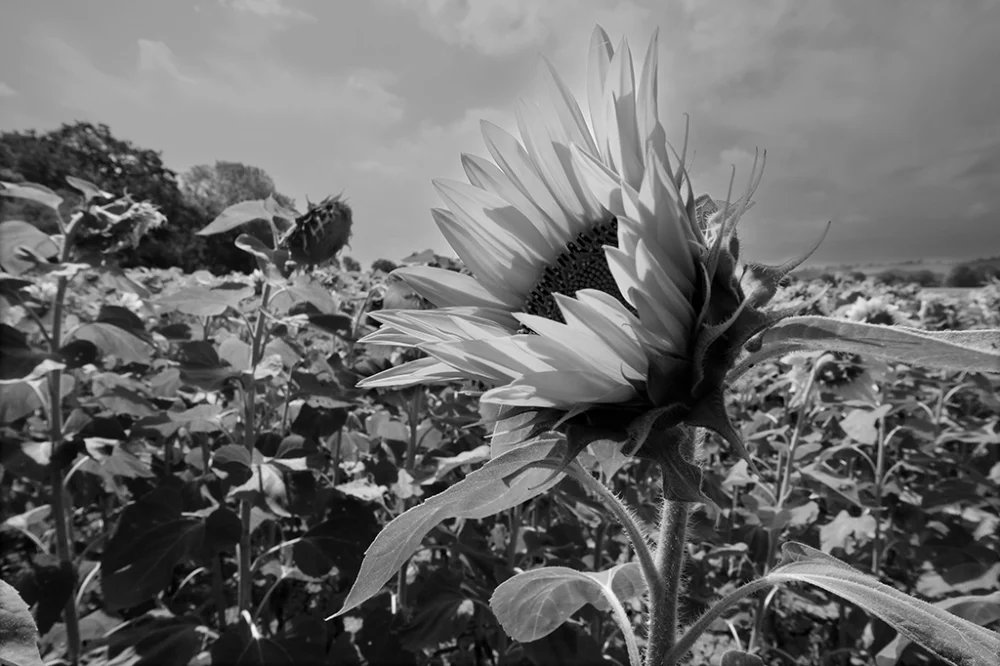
(190, 476)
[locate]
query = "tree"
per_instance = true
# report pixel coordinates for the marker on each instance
(211, 189)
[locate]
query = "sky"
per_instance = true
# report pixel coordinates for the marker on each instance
(877, 116)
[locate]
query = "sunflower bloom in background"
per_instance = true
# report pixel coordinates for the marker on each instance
(604, 297)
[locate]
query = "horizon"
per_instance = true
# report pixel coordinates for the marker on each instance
(872, 117)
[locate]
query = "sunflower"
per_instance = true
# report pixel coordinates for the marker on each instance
(604, 297)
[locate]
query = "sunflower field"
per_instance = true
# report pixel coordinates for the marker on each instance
(218, 478)
(601, 436)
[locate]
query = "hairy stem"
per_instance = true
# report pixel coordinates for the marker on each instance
(621, 513)
(669, 564)
(622, 620)
(670, 548)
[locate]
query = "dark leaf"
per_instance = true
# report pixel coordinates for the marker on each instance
(339, 541)
(242, 645)
(79, 353)
(151, 538)
(156, 641)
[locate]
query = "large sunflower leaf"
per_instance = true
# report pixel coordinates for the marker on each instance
(969, 351)
(237, 215)
(202, 301)
(115, 341)
(981, 609)
(533, 604)
(482, 493)
(15, 235)
(33, 192)
(948, 636)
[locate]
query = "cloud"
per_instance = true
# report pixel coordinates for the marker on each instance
(157, 56)
(506, 27)
(270, 9)
(260, 86)
(6, 90)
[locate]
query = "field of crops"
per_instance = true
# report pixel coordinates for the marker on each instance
(204, 483)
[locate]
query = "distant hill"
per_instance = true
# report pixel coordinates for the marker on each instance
(938, 266)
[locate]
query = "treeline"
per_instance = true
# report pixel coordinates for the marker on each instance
(189, 201)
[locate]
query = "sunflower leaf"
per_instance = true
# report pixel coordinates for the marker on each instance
(33, 192)
(237, 215)
(946, 635)
(968, 351)
(534, 603)
(482, 493)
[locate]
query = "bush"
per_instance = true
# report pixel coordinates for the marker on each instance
(926, 278)
(384, 265)
(964, 275)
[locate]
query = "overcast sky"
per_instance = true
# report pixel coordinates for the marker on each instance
(883, 117)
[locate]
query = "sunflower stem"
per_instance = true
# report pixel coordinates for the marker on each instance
(245, 577)
(669, 560)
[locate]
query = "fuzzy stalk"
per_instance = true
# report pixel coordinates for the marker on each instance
(669, 559)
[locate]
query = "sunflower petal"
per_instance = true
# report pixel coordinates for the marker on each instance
(514, 161)
(421, 371)
(622, 340)
(567, 110)
(623, 133)
(599, 62)
(446, 288)
(486, 260)
(488, 176)
(544, 144)
(561, 389)
(490, 215)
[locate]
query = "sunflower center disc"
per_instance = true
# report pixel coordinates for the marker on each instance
(581, 266)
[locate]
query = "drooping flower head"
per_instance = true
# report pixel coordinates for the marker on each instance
(604, 296)
(315, 237)
(116, 226)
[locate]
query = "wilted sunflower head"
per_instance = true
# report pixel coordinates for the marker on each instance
(604, 297)
(316, 236)
(116, 226)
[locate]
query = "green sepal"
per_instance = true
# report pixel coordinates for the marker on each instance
(764, 280)
(682, 478)
(711, 413)
(641, 426)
